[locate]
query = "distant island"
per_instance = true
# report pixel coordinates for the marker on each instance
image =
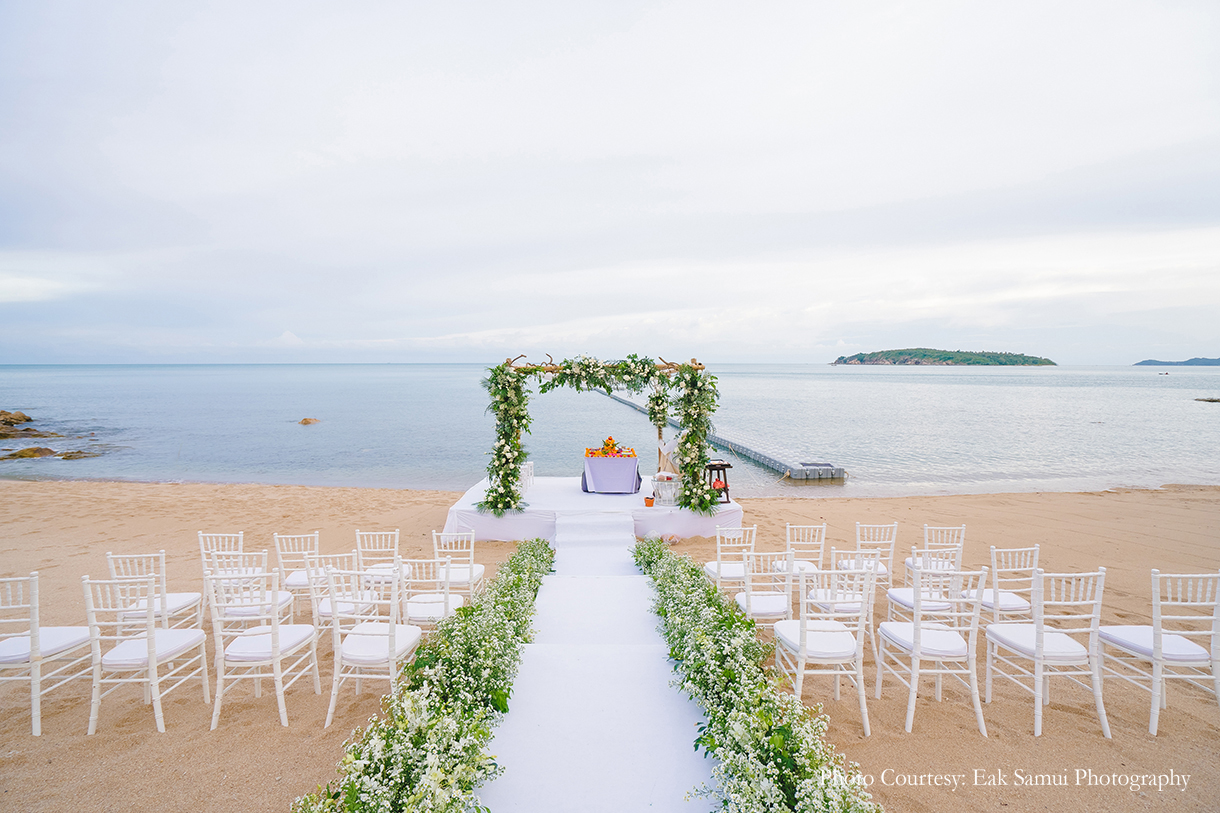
(1195, 362)
(927, 356)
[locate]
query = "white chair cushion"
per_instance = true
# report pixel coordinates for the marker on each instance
(824, 640)
(864, 564)
(296, 580)
(460, 574)
(839, 603)
(132, 653)
(1138, 640)
(729, 571)
(935, 640)
(1058, 647)
(931, 602)
(254, 645)
(1009, 602)
(798, 566)
(765, 605)
(51, 640)
(174, 604)
(283, 599)
(431, 606)
(368, 642)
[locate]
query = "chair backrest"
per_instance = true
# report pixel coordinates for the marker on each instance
(738, 539)
(880, 538)
(845, 596)
(316, 565)
(947, 598)
(136, 565)
(944, 537)
(456, 545)
(19, 609)
(376, 547)
(937, 558)
(1187, 604)
(427, 578)
(208, 543)
(122, 608)
(1012, 571)
(767, 573)
(807, 542)
(379, 601)
(255, 598)
(291, 549)
(1068, 602)
(236, 564)
(426, 575)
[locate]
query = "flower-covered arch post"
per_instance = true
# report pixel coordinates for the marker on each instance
(695, 401)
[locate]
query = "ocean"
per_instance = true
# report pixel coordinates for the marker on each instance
(897, 430)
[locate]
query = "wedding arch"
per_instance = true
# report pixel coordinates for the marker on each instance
(694, 398)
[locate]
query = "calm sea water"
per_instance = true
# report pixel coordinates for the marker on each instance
(897, 431)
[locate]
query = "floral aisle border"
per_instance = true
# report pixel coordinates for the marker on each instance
(428, 752)
(695, 402)
(772, 751)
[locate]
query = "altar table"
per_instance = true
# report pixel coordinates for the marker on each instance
(611, 475)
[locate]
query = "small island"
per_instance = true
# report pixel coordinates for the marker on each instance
(1195, 362)
(927, 356)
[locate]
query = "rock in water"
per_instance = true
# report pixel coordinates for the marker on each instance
(34, 451)
(13, 418)
(308, 421)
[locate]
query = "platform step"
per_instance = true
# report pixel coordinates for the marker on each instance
(610, 529)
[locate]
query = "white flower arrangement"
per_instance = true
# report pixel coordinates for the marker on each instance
(428, 752)
(771, 750)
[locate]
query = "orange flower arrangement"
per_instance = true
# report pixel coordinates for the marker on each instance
(610, 448)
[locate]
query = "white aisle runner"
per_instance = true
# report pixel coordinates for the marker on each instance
(593, 724)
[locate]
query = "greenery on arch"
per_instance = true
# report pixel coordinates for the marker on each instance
(694, 396)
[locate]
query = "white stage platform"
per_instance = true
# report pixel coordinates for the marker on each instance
(551, 496)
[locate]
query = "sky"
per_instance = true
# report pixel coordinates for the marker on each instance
(467, 181)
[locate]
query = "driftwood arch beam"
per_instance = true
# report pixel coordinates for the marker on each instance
(687, 387)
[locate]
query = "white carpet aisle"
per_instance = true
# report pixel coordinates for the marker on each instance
(593, 724)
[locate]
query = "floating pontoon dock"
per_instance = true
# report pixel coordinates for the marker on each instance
(771, 458)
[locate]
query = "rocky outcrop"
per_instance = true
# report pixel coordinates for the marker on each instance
(308, 421)
(13, 418)
(33, 451)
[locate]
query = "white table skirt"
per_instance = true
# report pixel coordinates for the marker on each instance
(611, 475)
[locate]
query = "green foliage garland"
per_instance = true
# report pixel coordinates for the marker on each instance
(696, 402)
(428, 752)
(509, 400)
(771, 749)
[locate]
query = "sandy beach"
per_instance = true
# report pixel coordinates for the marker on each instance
(64, 529)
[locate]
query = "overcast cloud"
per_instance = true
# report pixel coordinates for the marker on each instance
(464, 181)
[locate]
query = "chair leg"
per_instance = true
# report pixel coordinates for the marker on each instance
(939, 682)
(154, 687)
(914, 693)
(1095, 662)
(860, 692)
(277, 669)
(220, 692)
(974, 698)
(990, 667)
(334, 694)
(203, 672)
(1157, 680)
(313, 659)
(36, 698)
(880, 673)
(1038, 687)
(95, 704)
(800, 677)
